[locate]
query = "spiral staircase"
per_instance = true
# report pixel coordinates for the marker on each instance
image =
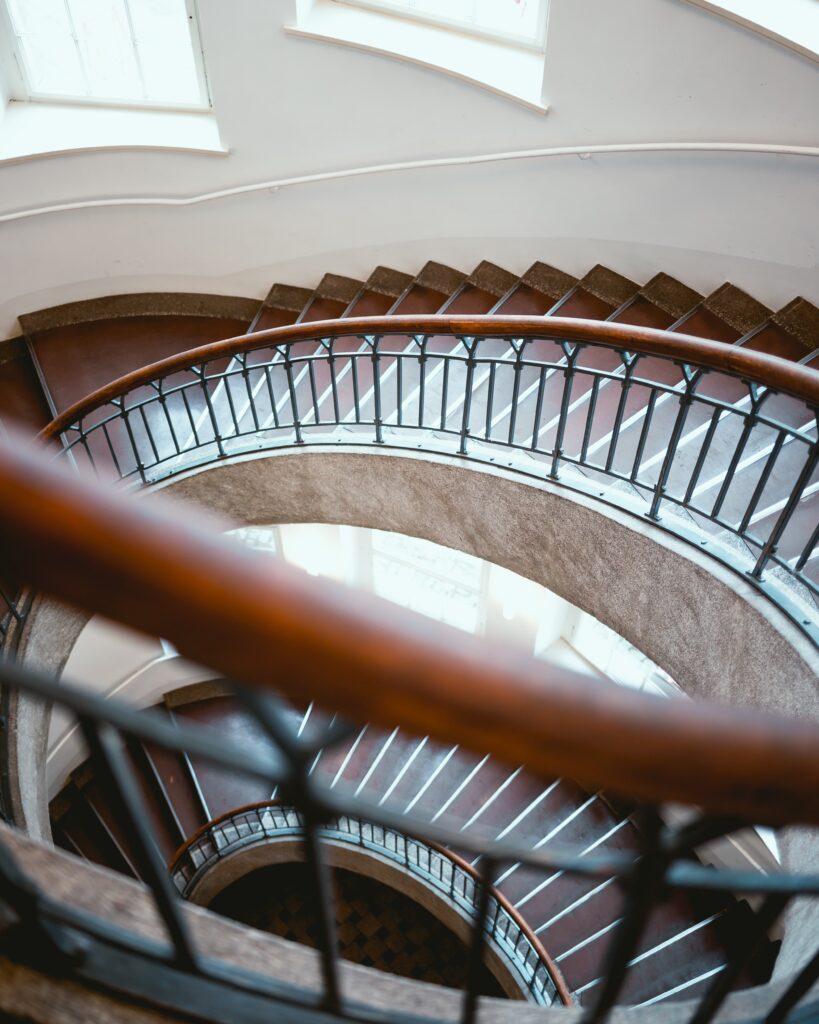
(122, 385)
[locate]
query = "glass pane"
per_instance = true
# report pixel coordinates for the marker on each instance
(131, 50)
(162, 33)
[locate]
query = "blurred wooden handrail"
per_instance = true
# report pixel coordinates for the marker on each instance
(153, 567)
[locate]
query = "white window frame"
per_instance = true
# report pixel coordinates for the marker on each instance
(18, 88)
(537, 44)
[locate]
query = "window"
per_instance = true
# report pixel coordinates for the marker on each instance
(522, 22)
(132, 52)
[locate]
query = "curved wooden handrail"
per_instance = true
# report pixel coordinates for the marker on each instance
(555, 974)
(260, 621)
(756, 367)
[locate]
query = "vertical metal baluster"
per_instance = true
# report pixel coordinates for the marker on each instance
(490, 400)
(376, 361)
(513, 413)
(399, 387)
(571, 355)
(311, 376)
(686, 398)
(716, 416)
(132, 439)
(149, 432)
(227, 379)
(751, 421)
(478, 944)
(203, 384)
(271, 394)
(641, 444)
(806, 551)
(251, 401)
(471, 346)
(107, 437)
(324, 904)
(422, 379)
(105, 748)
(163, 402)
(584, 449)
(445, 390)
(762, 482)
(790, 507)
(642, 884)
(354, 376)
(629, 362)
(331, 359)
(184, 392)
(719, 990)
(536, 425)
(291, 387)
(799, 987)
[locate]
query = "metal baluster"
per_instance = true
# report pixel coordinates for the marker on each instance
(203, 384)
(291, 387)
(227, 379)
(686, 398)
(132, 439)
(762, 482)
(629, 362)
(478, 945)
(311, 376)
(641, 444)
(149, 432)
(445, 389)
(422, 361)
(642, 885)
(271, 394)
(513, 414)
(251, 401)
(107, 437)
(571, 355)
(718, 992)
(354, 377)
(790, 507)
(329, 344)
(716, 416)
(799, 987)
(195, 433)
(751, 421)
(105, 747)
(536, 425)
(399, 387)
(471, 346)
(490, 400)
(163, 404)
(584, 449)
(376, 361)
(806, 551)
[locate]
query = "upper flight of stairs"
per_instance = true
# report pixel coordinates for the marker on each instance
(69, 351)
(686, 942)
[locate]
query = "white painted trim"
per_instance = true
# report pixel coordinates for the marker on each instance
(274, 185)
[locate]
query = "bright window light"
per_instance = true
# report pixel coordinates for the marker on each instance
(516, 21)
(140, 52)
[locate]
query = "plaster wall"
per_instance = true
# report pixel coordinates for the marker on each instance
(639, 71)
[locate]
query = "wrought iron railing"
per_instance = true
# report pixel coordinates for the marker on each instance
(714, 443)
(441, 870)
(155, 571)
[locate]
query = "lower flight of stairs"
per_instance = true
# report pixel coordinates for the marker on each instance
(688, 938)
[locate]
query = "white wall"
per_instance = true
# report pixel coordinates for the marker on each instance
(635, 71)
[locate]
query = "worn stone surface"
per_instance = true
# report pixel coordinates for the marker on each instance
(140, 304)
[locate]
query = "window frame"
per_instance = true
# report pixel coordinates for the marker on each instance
(385, 7)
(18, 88)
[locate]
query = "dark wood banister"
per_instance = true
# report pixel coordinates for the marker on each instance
(155, 568)
(555, 974)
(756, 367)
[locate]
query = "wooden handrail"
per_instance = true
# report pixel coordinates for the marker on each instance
(562, 989)
(260, 621)
(756, 367)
